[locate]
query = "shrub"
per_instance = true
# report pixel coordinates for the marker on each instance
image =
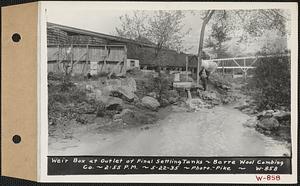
(67, 102)
(272, 82)
(55, 76)
(100, 75)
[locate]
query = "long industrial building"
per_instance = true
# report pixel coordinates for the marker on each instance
(97, 52)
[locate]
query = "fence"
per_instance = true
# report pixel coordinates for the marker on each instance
(239, 65)
(109, 58)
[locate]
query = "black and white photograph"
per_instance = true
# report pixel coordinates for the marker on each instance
(165, 82)
(133, 92)
(129, 83)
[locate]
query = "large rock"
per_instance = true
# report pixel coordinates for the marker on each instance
(268, 123)
(282, 115)
(130, 83)
(114, 82)
(152, 94)
(113, 103)
(123, 92)
(122, 88)
(110, 102)
(251, 123)
(270, 113)
(150, 102)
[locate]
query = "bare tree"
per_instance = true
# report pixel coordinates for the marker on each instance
(166, 30)
(206, 18)
(163, 29)
(134, 26)
(253, 22)
(219, 34)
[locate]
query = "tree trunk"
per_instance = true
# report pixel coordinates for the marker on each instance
(156, 60)
(200, 49)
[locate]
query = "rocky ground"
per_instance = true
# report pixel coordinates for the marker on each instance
(273, 123)
(216, 131)
(138, 102)
(111, 103)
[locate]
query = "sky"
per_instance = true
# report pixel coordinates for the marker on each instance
(104, 18)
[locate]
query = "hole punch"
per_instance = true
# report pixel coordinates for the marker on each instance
(16, 139)
(16, 37)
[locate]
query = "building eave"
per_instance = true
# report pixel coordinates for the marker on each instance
(96, 34)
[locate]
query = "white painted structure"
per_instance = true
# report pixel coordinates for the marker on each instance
(133, 63)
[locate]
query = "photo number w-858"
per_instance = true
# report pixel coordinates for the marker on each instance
(268, 178)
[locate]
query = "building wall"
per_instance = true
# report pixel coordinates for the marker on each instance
(145, 54)
(86, 53)
(82, 68)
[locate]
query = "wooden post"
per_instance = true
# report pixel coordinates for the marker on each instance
(57, 62)
(87, 55)
(198, 70)
(71, 56)
(189, 95)
(104, 61)
(86, 59)
(186, 66)
(125, 59)
(245, 71)
(245, 75)
(115, 68)
(223, 69)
